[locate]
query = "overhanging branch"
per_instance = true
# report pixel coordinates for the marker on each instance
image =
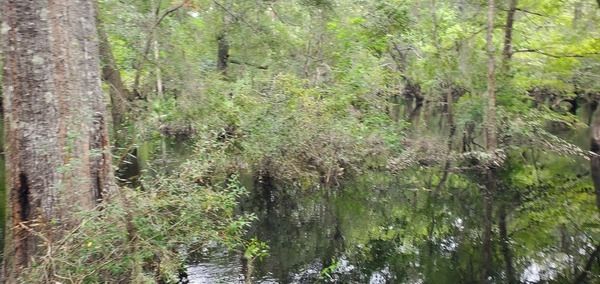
(263, 67)
(553, 55)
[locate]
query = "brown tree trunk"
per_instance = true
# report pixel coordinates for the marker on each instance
(120, 96)
(223, 42)
(510, 22)
(488, 197)
(222, 53)
(502, 214)
(57, 151)
(595, 148)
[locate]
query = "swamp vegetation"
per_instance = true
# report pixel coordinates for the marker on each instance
(301, 141)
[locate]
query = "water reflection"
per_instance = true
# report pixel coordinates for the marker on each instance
(314, 237)
(365, 232)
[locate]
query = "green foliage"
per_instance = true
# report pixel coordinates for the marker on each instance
(256, 249)
(308, 102)
(141, 235)
(327, 271)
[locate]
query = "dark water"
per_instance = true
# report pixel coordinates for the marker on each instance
(357, 230)
(370, 231)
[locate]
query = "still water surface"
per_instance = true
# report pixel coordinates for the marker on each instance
(310, 230)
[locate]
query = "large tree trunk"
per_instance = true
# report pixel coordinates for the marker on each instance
(57, 153)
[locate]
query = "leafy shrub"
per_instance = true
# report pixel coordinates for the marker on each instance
(144, 235)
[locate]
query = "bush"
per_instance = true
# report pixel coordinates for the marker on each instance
(144, 235)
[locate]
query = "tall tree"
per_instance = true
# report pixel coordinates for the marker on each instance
(57, 152)
(491, 147)
(595, 148)
(502, 210)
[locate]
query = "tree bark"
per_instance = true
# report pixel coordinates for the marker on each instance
(57, 152)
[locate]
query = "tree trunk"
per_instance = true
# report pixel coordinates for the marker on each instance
(159, 94)
(510, 22)
(488, 197)
(595, 158)
(120, 96)
(595, 148)
(223, 45)
(502, 214)
(57, 151)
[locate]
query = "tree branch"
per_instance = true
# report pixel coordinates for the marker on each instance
(286, 22)
(263, 67)
(167, 12)
(530, 12)
(531, 50)
(235, 16)
(144, 56)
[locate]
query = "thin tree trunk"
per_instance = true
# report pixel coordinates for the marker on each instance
(491, 84)
(435, 27)
(595, 158)
(595, 148)
(488, 197)
(157, 17)
(57, 152)
(502, 214)
(510, 21)
(120, 96)
(223, 45)
(159, 94)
